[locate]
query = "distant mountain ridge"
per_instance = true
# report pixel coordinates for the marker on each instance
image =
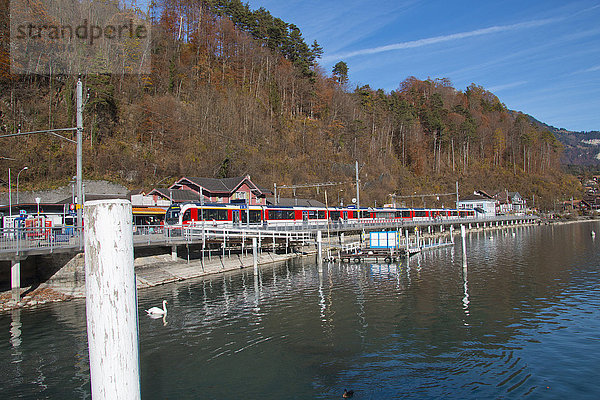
(581, 148)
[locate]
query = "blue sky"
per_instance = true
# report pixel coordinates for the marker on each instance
(539, 57)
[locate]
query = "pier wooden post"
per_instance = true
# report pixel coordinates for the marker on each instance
(452, 234)
(320, 250)
(254, 256)
(111, 300)
(418, 239)
(174, 252)
(15, 280)
(463, 235)
(407, 247)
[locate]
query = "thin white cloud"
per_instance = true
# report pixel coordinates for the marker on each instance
(440, 39)
(498, 88)
(593, 69)
(586, 70)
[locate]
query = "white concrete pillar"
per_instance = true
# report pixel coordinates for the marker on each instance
(320, 244)
(15, 280)
(174, 252)
(111, 300)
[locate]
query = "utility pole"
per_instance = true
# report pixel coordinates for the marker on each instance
(79, 204)
(457, 195)
(10, 200)
(357, 189)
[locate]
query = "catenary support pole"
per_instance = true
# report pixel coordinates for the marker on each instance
(357, 189)
(79, 173)
(111, 300)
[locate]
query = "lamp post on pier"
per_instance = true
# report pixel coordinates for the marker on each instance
(24, 169)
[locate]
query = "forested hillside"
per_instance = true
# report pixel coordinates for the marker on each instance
(235, 91)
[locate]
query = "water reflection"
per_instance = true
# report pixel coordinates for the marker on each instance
(158, 316)
(321, 296)
(465, 299)
(412, 327)
(15, 328)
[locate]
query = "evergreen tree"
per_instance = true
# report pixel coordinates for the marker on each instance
(340, 72)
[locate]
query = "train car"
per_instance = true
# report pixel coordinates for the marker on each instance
(294, 216)
(213, 214)
(466, 214)
(421, 214)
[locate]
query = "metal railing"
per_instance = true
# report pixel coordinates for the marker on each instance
(18, 240)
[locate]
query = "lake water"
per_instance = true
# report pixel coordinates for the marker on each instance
(521, 318)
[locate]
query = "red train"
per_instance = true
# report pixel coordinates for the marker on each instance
(241, 214)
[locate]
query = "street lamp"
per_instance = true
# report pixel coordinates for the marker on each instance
(37, 200)
(24, 169)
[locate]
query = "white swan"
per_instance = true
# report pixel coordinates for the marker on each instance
(155, 311)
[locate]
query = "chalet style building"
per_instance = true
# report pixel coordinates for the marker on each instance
(510, 203)
(212, 190)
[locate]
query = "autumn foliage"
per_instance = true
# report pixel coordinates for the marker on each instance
(235, 91)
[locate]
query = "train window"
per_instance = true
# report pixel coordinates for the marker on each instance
(365, 214)
(321, 214)
(405, 213)
(281, 214)
(312, 214)
(214, 214)
(384, 214)
(187, 215)
(420, 213)
(334, 215)
(254, 216)
(172, 215)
